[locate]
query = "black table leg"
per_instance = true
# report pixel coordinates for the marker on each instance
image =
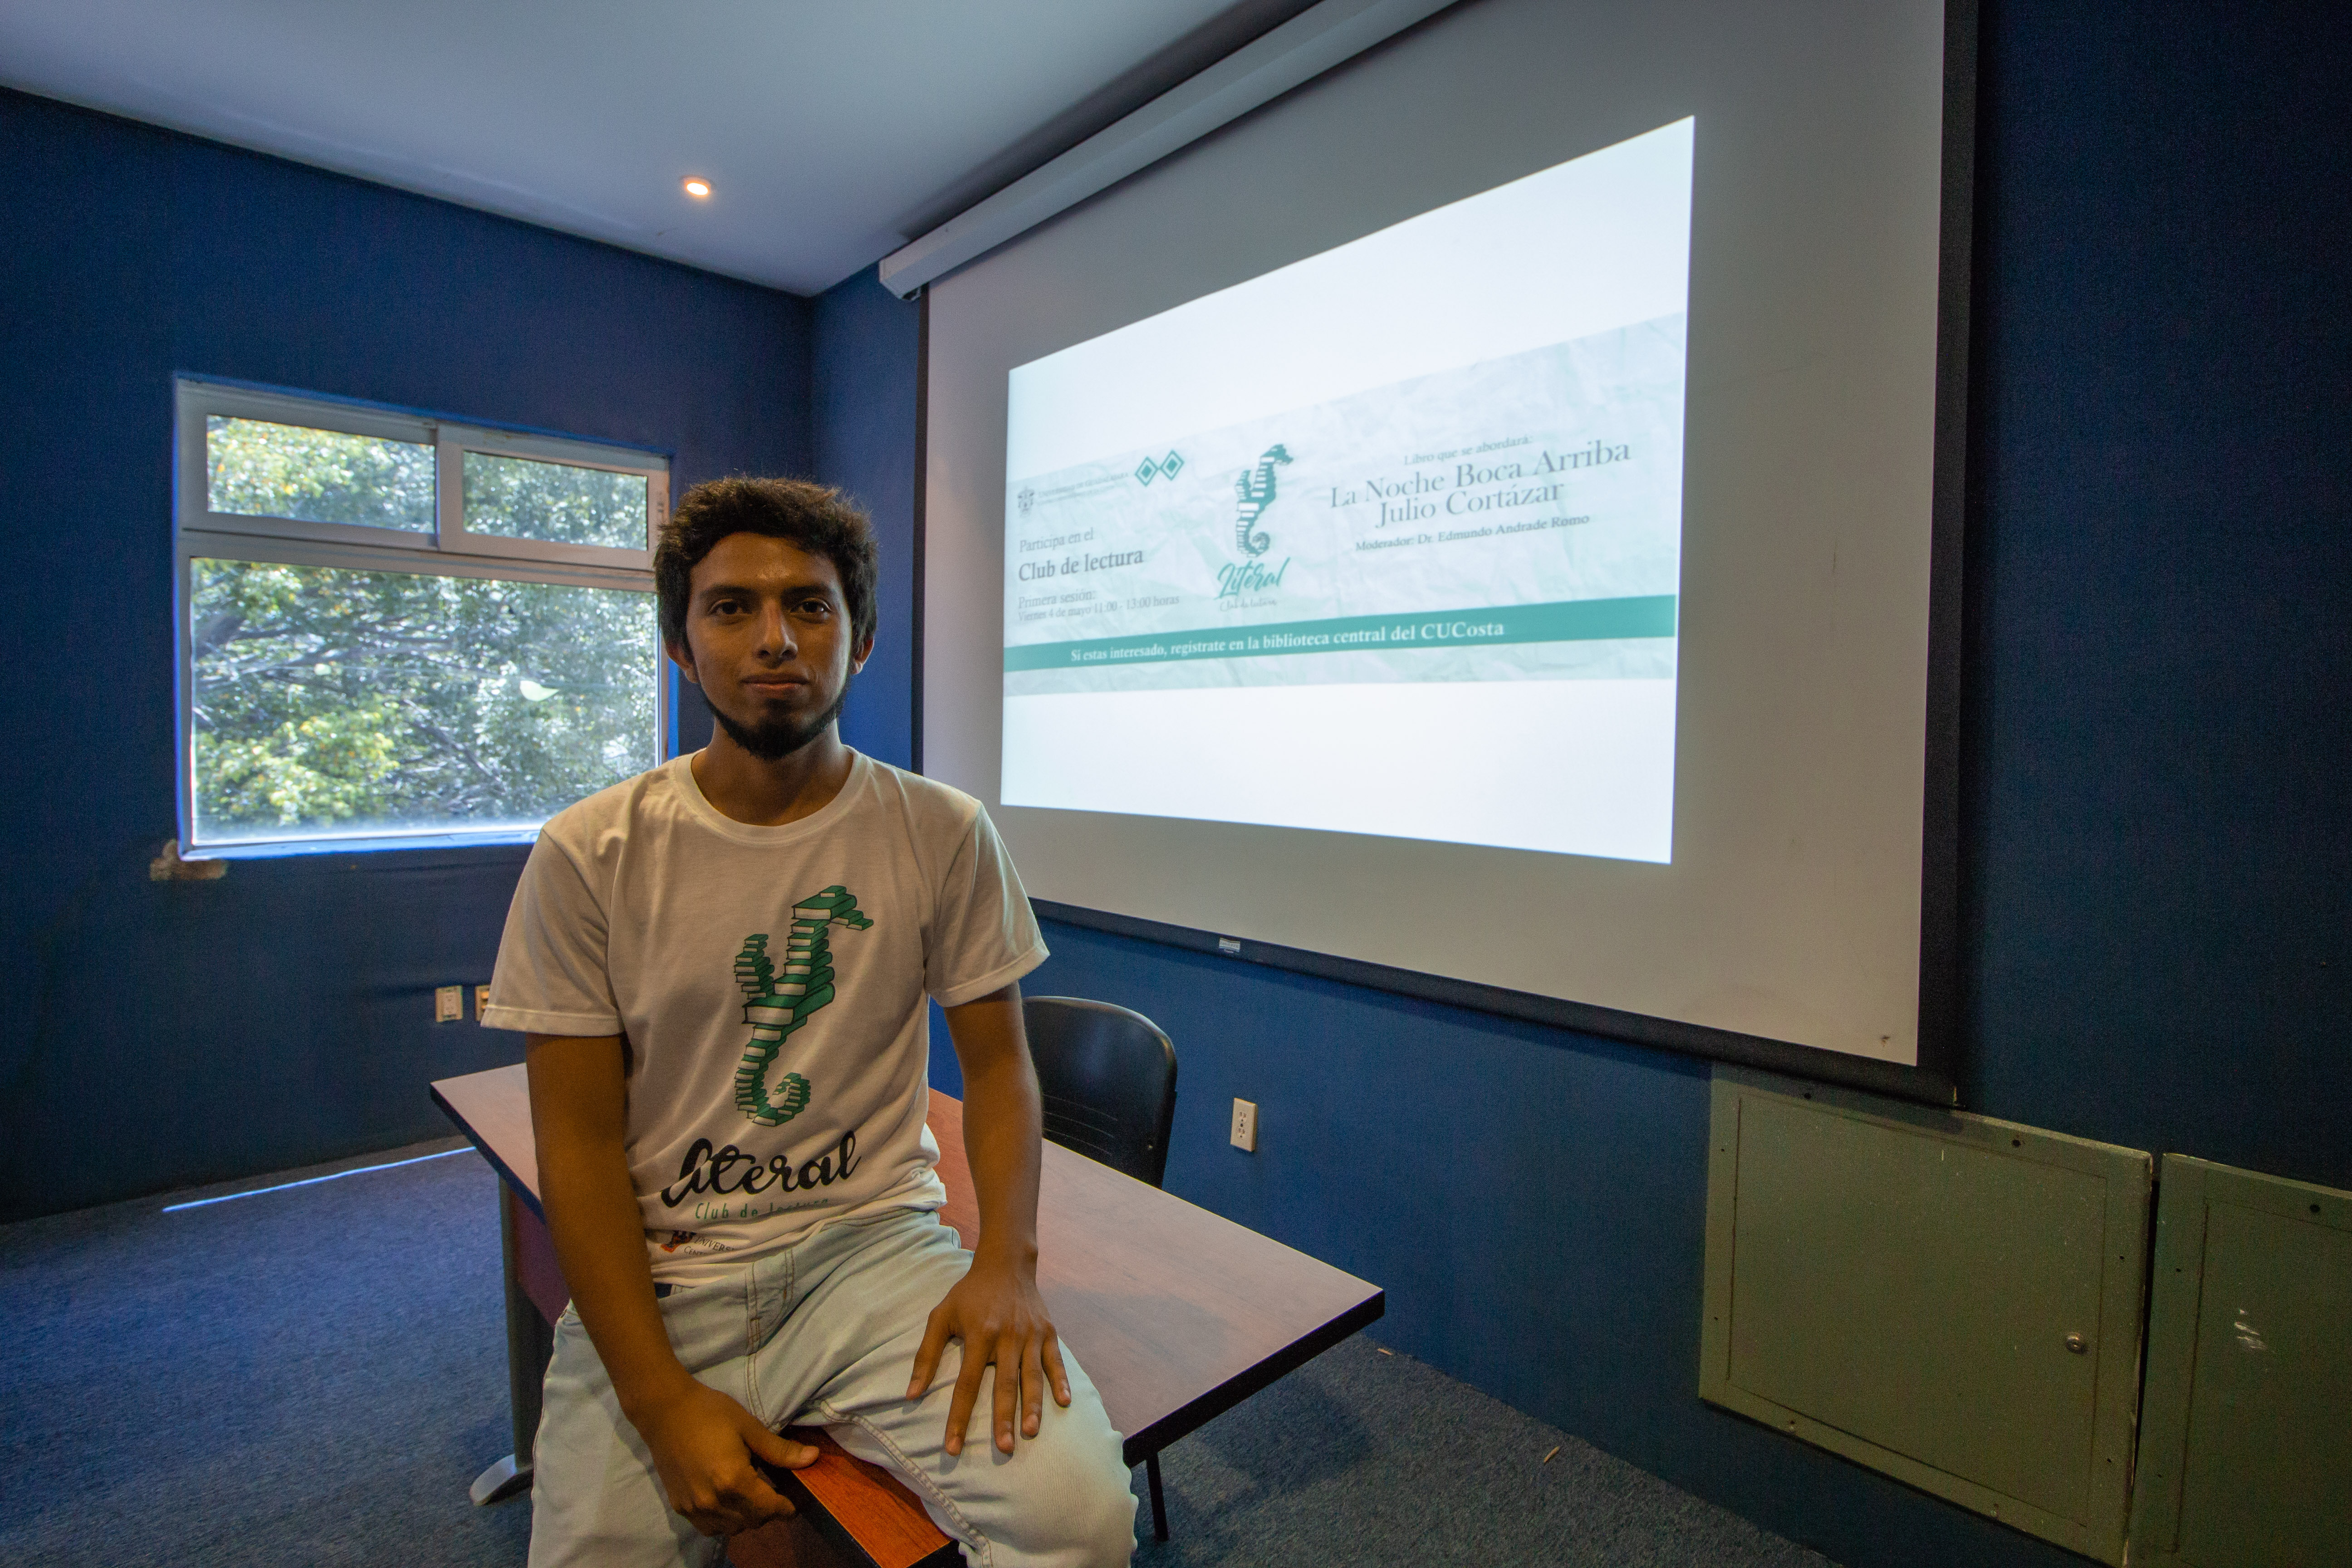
(1159, 1504)
(530, 1343)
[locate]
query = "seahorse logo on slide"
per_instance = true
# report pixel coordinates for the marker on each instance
(1255, 488)
(775, 1004)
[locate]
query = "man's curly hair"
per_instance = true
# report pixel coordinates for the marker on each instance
(809, 517)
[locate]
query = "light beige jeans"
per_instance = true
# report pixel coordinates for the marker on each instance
(825, 1334)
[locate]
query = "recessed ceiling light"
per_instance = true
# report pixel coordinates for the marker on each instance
(699, 189)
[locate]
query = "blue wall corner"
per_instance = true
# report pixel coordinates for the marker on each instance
(179, 1032)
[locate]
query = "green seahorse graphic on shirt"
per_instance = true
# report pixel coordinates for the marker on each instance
(777, 1003)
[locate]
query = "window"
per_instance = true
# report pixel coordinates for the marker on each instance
(397, 630)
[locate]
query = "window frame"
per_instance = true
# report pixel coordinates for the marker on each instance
(448, 550)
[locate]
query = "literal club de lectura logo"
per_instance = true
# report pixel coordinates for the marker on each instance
(777, 1003)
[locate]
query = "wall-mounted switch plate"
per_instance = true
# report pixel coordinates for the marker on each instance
(481, 1002)
(1245, 1125)
(448, 1003)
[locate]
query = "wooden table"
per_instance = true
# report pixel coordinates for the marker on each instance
(1177, 1314)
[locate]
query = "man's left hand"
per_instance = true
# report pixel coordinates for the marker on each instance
(996, 1312)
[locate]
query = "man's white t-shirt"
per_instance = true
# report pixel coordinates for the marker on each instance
(770, 983)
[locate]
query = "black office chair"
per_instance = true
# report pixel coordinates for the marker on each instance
(1109, 1079)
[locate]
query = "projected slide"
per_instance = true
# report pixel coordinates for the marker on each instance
(1386, 542)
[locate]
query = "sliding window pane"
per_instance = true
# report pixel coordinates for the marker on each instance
(519, 498)
(261, 469)
(333, 703)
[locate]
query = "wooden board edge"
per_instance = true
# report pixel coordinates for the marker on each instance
(506, 1171)
(838, 1533)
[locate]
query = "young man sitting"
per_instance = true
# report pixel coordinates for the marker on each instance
(722, 968)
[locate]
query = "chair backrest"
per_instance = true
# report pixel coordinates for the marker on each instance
(1109, 1076)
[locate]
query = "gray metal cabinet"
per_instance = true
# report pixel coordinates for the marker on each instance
(2245, 1457)
(1948, 1298)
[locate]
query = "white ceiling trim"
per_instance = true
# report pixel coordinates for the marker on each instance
(1299, 50)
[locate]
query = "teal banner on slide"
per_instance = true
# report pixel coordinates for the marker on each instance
(1542, 488)
(1577, 620)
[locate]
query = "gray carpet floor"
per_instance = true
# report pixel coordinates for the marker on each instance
(313, 1375)
(1367, 1458)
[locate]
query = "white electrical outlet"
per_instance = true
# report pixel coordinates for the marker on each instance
(1245, 1125)
(448, 1003)
(481, 1002)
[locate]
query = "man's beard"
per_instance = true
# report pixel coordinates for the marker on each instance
(771, 739)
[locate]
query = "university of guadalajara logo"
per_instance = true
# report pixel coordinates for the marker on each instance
(1166, 468)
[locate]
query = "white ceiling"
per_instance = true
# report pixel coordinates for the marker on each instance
(831, 133)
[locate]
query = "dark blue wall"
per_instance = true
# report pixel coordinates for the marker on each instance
(2156, 848)
(862, 398)
(162, 1034)
(2158, 783)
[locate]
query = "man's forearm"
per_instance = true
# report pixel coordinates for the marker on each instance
(594, 1221)
(591, 1214)
(995, 1308)
(1002, 1129)
(706, 1446)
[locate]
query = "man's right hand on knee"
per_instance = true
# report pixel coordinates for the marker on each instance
(703, 1444)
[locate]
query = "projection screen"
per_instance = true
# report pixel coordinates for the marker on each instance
(1471, 521)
